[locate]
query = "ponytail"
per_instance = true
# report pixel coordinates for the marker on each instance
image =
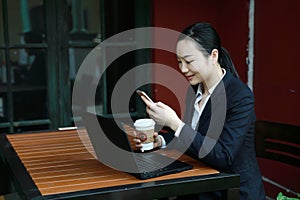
(226, 62)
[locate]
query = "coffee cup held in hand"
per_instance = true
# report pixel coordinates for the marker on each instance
(145, 130)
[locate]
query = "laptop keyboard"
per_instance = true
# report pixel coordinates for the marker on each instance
(149, 162)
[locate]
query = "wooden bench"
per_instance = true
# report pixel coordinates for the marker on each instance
(278, 142)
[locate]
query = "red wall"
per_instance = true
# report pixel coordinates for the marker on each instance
(277, 68)
(230, 18)
(232, 25)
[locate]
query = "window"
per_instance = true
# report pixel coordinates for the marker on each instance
(42, 45)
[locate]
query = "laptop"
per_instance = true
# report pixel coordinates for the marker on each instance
(141, 165)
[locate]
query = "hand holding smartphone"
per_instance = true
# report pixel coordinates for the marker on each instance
(143, 94)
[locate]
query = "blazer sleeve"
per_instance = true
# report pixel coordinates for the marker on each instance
(239, 117)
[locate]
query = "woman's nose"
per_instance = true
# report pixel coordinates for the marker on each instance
(184, 68)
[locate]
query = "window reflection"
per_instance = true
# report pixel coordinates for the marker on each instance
(3, 89)
(2, 68)
(35, 73)
(84, 35)
(30, 103)
(1, 27)
(85, 16)
(25, 16)
(29, 83)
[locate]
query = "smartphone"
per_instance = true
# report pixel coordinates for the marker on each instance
(142, 93)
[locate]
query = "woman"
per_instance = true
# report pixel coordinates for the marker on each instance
(218, 126)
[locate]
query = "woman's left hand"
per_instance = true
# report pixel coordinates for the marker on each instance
(156, 144)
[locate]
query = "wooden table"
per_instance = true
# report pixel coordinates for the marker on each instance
(61, 165)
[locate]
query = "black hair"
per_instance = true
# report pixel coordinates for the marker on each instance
(207, 37)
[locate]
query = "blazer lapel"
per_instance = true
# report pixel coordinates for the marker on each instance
(189, 107)
(219, 91)
(205, 118)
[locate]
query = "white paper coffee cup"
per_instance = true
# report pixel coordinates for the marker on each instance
(145, 130)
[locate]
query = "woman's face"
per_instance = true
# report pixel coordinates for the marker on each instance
(194, 65)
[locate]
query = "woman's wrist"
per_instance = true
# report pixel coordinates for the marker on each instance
(175, 124)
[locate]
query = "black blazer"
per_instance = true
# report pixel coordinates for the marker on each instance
(227, 127)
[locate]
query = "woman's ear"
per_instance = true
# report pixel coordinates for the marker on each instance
(214, 55)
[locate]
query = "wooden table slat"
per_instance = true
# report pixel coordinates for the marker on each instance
(63, 162)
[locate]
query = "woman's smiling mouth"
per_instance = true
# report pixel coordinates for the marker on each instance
(189, 77)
